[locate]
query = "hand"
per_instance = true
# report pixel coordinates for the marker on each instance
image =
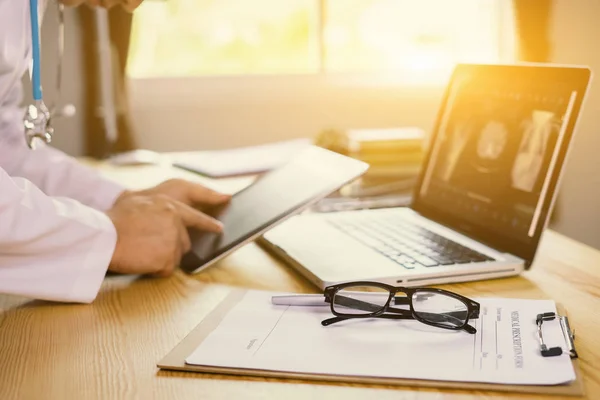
(151, 233)
(189, 193)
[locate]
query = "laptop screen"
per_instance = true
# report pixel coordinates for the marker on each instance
(497, 149)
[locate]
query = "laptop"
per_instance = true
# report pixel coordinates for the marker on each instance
(482, 200)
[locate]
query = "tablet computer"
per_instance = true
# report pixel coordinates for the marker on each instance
(277, 195)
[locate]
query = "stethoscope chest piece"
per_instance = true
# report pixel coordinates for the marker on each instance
(37, 124)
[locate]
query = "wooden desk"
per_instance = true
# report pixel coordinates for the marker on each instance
(108, 350)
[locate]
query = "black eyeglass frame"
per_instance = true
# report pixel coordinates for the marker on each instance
(473, 307)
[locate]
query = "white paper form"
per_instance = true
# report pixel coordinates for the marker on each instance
(241, 160)
(258, 335)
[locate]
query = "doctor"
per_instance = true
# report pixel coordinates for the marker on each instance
(61, 225)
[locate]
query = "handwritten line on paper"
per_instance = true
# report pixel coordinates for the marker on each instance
(271, 331)
(481, 353)
(498, 356)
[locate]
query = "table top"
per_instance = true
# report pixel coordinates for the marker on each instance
(109, 349)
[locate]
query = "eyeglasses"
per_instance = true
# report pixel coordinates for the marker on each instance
(435, 307)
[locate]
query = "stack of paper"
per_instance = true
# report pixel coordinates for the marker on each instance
(392, 153)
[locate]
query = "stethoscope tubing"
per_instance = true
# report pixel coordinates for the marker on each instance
(36, 80)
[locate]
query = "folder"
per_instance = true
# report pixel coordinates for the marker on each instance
(175, 360)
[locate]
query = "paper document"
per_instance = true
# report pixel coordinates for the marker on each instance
(258, 335)
(241, 160)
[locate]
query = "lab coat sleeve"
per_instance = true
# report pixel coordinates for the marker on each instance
(51, 248)
(54, 172)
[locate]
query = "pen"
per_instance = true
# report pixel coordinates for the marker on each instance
(319, 299)
(299, 300)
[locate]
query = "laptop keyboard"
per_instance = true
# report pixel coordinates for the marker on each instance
(405, 243)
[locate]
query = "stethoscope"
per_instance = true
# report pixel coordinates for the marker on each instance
(38, 118)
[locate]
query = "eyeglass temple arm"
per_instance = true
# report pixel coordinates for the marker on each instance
(356, 304)
(468, 328)
(333, 320)
(401, 300)
(454, 317)
(364, 306)
(474, 314)
(446, 316)
(398, 300)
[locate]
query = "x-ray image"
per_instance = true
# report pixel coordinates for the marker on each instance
(459, 137)
(492, 140)
(537, 129)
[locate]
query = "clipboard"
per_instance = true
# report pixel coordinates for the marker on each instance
(175, 360)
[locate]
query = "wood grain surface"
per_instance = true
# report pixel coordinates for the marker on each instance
(109, 349)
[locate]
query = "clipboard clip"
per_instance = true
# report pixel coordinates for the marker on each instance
(568, 334)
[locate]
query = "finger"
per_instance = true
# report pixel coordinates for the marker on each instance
(184, 240)
(167, 270)
(196, 219)
(171, 262)
(199, 194)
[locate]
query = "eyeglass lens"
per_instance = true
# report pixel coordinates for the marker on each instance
(440, 309)
(360, 300)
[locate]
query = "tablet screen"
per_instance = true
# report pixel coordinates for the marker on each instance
(308, 177)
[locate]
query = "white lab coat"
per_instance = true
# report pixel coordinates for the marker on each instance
(55, 241)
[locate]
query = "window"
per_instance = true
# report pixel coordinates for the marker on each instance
(223, 73)
(187, 38)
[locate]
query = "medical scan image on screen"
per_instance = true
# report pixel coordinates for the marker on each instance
(493, 153)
